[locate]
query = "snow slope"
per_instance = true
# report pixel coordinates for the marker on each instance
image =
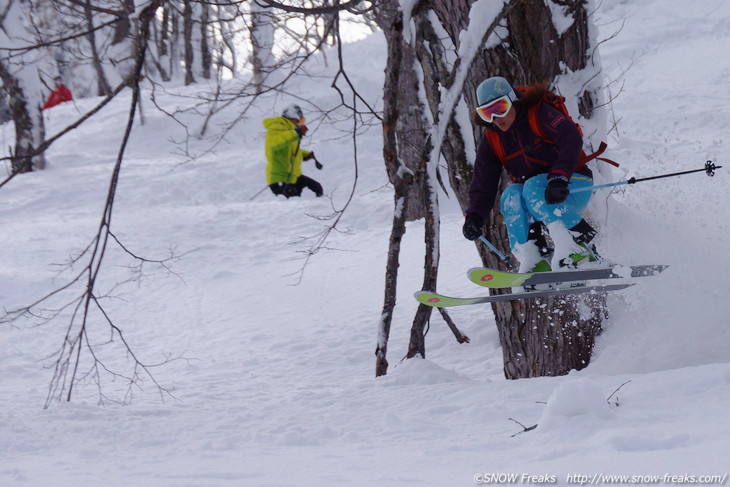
(273, 370)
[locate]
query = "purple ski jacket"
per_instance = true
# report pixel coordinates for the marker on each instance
(539, 157)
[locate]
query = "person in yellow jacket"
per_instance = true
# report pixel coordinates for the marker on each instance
(284, 156)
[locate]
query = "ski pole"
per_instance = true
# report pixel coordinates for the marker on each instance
(254, 196)
(496, 251)
(709, 169)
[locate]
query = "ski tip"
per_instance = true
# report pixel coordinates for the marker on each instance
(474, 270)
(429, 298)
(481, 275)
(423, 294)
(495, 278)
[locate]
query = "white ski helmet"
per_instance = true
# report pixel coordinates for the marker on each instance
(294, 112)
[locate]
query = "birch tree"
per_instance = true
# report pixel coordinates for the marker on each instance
(262, 43)
(20, 67)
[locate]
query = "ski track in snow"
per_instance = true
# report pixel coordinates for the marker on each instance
(273, 378)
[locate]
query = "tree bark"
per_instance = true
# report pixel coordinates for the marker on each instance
(411, 128)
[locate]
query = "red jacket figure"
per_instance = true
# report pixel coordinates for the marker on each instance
(59, 95)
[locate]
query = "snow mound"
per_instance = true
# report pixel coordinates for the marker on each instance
(420, 372)
(575, 401)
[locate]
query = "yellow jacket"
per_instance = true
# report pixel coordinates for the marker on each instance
(283, 155)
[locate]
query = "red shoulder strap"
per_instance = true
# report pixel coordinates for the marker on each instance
(558, 103)
(495, 143)
(586, 158)
(535, 124)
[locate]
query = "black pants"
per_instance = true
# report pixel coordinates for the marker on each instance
(295, 189)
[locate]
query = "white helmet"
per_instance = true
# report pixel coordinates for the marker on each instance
(293, 112)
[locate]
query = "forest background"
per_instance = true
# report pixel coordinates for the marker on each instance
(236, 332)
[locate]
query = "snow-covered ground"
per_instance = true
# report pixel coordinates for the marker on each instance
(273, 377)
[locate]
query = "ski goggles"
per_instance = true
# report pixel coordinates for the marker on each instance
(495, 108)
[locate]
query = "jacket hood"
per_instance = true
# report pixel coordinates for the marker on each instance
(278, 123)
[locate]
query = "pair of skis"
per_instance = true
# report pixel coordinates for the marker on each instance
(575, 279)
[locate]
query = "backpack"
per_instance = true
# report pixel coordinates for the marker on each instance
(557, 102)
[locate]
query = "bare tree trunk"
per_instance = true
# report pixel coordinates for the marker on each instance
(402, 184)
(206, 58)
(411, 129)
(174, 43)
(406, 152)
(188, 41)
(102, 85)
(391, 274)
(163, 36)
(417, 344)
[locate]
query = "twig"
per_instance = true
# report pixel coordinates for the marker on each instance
(525, 429)
(608, 399)
(460, 337)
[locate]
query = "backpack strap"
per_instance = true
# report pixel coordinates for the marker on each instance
(583, 158)
(492, 138)
(535, 126)
(586, 158)
(495, 143)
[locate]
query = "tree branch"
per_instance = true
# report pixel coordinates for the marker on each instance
(349, 6)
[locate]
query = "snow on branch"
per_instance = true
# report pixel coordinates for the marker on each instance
(472, 41)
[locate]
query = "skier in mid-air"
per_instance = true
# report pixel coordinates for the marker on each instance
(541, 149)
(530, 135)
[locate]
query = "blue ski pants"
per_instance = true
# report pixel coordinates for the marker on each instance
(523, 204)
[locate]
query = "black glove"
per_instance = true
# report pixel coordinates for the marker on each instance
(557, 189)
(472, 228)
